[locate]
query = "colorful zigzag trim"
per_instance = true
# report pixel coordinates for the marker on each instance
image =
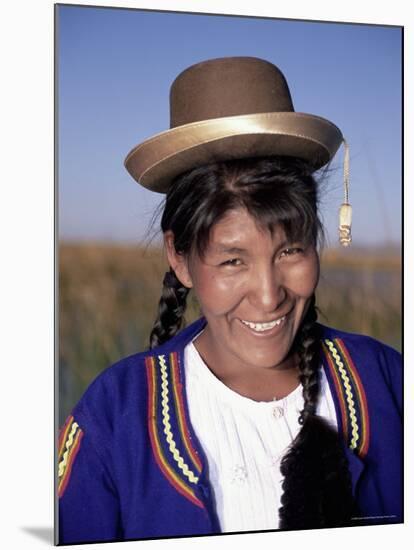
(168, 427)
(351, 394)
(69, 444)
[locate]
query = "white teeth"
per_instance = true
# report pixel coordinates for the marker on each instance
(261, 327)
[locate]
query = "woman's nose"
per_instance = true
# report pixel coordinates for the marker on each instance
(266, 290)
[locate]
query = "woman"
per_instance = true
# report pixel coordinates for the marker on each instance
(254, 417)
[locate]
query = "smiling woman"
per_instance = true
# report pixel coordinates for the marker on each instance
(256, 416)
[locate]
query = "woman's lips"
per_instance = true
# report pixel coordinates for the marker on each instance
(263, 329)
(265, 326)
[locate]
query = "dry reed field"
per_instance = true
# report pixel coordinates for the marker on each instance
(108, 296)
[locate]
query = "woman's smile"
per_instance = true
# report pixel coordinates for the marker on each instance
(263, 327)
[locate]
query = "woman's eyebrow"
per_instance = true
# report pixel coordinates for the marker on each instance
(223, 248)
(228, 248)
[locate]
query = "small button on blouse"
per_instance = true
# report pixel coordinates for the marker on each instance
(277, 412)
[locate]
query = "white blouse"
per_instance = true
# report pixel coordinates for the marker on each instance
(244, 441)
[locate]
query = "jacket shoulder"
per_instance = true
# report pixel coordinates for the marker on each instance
(376, 363)
(116, 393)
(128, 370)
(361, 343)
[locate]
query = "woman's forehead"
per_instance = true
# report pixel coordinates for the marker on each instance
(239, 229)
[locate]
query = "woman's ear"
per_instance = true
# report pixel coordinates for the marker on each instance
(178, 262)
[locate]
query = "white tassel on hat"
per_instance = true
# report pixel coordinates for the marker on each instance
(345, 212)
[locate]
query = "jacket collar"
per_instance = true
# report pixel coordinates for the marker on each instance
(349, 399)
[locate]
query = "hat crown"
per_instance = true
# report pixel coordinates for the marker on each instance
(228, 86)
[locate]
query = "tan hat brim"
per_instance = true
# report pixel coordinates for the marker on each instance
(156, 161)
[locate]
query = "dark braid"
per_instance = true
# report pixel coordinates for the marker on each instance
(307, 347)
(317, 490)
(171, 310)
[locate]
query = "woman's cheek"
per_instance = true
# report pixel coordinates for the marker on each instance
(218, 294)
(302, 278)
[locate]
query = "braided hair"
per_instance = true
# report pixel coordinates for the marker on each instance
(171, 309)
(317, 489)
(276, 191)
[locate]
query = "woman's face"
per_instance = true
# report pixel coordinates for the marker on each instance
(254, 289)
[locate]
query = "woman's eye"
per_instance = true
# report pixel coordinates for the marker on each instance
(291, 251)
(233, 261)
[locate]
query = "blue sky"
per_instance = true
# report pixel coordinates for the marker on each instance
(115, 67)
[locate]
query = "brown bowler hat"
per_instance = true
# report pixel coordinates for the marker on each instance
(227, 108)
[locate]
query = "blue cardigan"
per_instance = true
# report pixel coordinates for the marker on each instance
(131, 466)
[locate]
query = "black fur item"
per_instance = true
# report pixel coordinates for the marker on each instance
(317, 484)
